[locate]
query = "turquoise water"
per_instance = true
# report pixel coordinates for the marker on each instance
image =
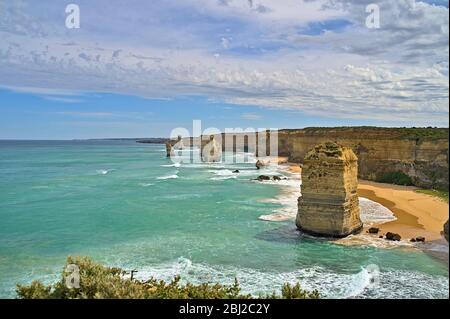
(123, 204)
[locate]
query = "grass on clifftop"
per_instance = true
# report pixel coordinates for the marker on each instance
(99, 282)
(441, 194)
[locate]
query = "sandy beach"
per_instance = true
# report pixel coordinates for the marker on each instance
(417, 214)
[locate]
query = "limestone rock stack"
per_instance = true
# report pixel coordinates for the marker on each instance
(172, 145)
(211, 150)
(329, 204)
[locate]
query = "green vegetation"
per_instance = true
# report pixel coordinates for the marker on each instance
(100, 282)
(440, 193)
(425, 133)
(398, 178)
(415, 133)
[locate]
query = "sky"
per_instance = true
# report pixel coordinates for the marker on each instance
(141, 68)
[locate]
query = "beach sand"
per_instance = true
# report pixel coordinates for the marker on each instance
(417, 214)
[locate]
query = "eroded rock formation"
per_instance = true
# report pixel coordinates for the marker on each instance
(172, 145)
(420, 153)
(329, 204)
(211, 150)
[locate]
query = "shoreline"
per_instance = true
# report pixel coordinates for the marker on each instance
(417, 214)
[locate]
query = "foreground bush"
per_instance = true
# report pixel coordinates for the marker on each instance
(100, 282)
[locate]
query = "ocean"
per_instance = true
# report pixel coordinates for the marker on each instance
(125, 204)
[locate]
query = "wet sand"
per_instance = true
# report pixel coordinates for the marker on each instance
(417, 214)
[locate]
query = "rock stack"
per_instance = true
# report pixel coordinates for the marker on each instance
(172, 145)
(211, 150)
(329, 204)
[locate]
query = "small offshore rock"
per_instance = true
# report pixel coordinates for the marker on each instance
(420, 239)
(393, 236)
(263, 178)
(413, 240)
(276, 178)
(373, 230)
(236, 171)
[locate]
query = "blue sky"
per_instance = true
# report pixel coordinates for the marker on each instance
(141, 68)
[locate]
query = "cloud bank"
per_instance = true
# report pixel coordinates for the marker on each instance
(314, 56)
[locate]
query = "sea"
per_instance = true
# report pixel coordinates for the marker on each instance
(125, 204)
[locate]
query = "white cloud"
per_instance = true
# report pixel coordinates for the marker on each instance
(399, 71)
(251, 116)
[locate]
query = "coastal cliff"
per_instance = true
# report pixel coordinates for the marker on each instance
(421, 154)
(329, 204)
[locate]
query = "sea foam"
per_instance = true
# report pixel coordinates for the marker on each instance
(330, 284)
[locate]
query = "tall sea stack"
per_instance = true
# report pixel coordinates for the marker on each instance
(172, 145)
(211, 150)
(329, 204)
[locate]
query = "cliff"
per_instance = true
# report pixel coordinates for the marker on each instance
(329, 204)
(420, 153)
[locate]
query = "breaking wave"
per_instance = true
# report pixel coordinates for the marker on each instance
(173, 176)
(373, 213)
(388, 283)
(104, 171)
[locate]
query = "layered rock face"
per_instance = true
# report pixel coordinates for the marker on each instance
(329, 204)
(422, 153)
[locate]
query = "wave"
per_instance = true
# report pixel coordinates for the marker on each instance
(223, 172)
(287, 199)
(172, 165)
(104, 171)
(364, 239)
(174, 176)
(373, 213)
(146, 184)
(223, 178)
(366, 283)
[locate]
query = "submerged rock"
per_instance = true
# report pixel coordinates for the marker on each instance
(329, 205)
(393, 236)
(419, 239)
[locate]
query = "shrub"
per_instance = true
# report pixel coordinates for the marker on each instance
(398, 178)
(100, 282)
